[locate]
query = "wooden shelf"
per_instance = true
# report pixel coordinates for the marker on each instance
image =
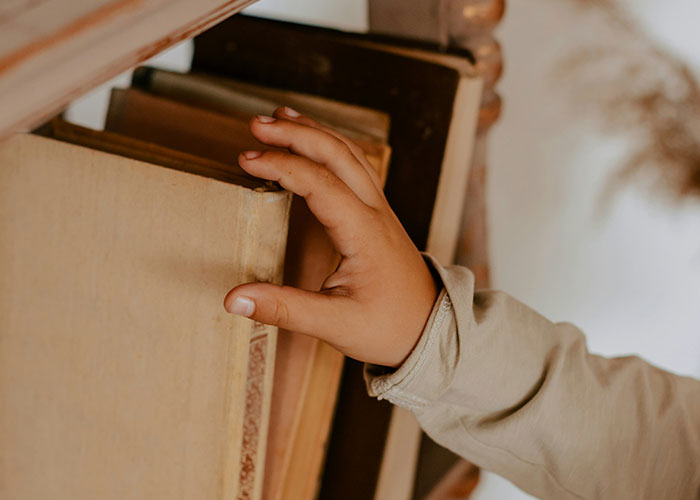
(52, 51)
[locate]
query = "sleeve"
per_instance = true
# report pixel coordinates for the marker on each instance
(521, 396)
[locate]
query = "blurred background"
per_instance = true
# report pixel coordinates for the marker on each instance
(619, 257)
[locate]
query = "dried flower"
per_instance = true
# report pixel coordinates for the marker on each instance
(646, 92)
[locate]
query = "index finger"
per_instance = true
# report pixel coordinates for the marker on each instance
(288, 113)
(343, 215)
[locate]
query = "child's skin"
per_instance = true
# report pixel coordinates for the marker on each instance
(375, 305)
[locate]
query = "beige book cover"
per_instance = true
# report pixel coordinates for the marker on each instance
(121, 375)
(307, 371)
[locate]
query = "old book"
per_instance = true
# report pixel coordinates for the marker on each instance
(263, 346)
(121, 376)
(219, 138)
(110, 142)
(227, 95)
(189, 128)
(307, 371)
(432, 99)
(429, 97)
(179, 126)
(367, 127)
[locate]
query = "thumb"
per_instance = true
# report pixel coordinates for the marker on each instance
(312, 313)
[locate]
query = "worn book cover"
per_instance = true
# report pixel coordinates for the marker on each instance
(121, 375)
(307, 371)
(432, 99)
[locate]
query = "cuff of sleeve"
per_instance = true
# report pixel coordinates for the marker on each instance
(413, 385)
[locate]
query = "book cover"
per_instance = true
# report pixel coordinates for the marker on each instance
(121, 375)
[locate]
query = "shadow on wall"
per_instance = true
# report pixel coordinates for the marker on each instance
(643, 91)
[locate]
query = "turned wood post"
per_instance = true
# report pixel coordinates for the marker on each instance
(467, 24)
(471, 25)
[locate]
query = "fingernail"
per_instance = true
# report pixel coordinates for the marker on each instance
(242, 306)
(266, 119)
(291, 112)
(251, 155)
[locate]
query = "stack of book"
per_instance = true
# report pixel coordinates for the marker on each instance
(122, 376)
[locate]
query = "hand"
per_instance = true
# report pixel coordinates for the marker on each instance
(375, 305)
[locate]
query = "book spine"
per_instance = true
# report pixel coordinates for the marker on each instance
(262, 347)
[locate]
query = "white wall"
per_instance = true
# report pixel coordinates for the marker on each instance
(342, 14)
(629, 277)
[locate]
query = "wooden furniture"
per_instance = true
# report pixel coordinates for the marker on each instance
(480, 18)
(52, 51)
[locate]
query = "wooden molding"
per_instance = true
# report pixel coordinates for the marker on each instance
(479, 18)
(52, 51)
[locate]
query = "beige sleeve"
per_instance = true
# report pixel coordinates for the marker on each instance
(502, 386)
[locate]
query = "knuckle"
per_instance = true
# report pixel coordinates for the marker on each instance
(273, 156)
(372, 215)
(340, 148)
(325, 176)
(280, 314)
(293, 130)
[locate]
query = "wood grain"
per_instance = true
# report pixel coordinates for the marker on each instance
(479, 18)
(52, 51)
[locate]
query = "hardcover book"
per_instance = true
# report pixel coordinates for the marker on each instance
(432, 99)
(121, 375)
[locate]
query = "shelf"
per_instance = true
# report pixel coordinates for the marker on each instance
(52, 51)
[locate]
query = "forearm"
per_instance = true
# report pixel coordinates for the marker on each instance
(504, 387)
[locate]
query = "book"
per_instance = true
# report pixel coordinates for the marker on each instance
(230, 96)
(179, 126)
(432, 98)
(110, 142)
(419, 89)
(307, 371)
(458, 22)
(215, 137)
(367, 127)
(121, 375)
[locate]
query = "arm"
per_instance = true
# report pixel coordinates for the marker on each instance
(497, 383)
(485, 375)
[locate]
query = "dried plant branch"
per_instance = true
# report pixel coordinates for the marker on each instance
(645, 91)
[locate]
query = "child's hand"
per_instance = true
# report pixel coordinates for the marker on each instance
(375, 305)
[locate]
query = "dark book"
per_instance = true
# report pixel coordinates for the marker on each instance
(432, 99)
(419, 95)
